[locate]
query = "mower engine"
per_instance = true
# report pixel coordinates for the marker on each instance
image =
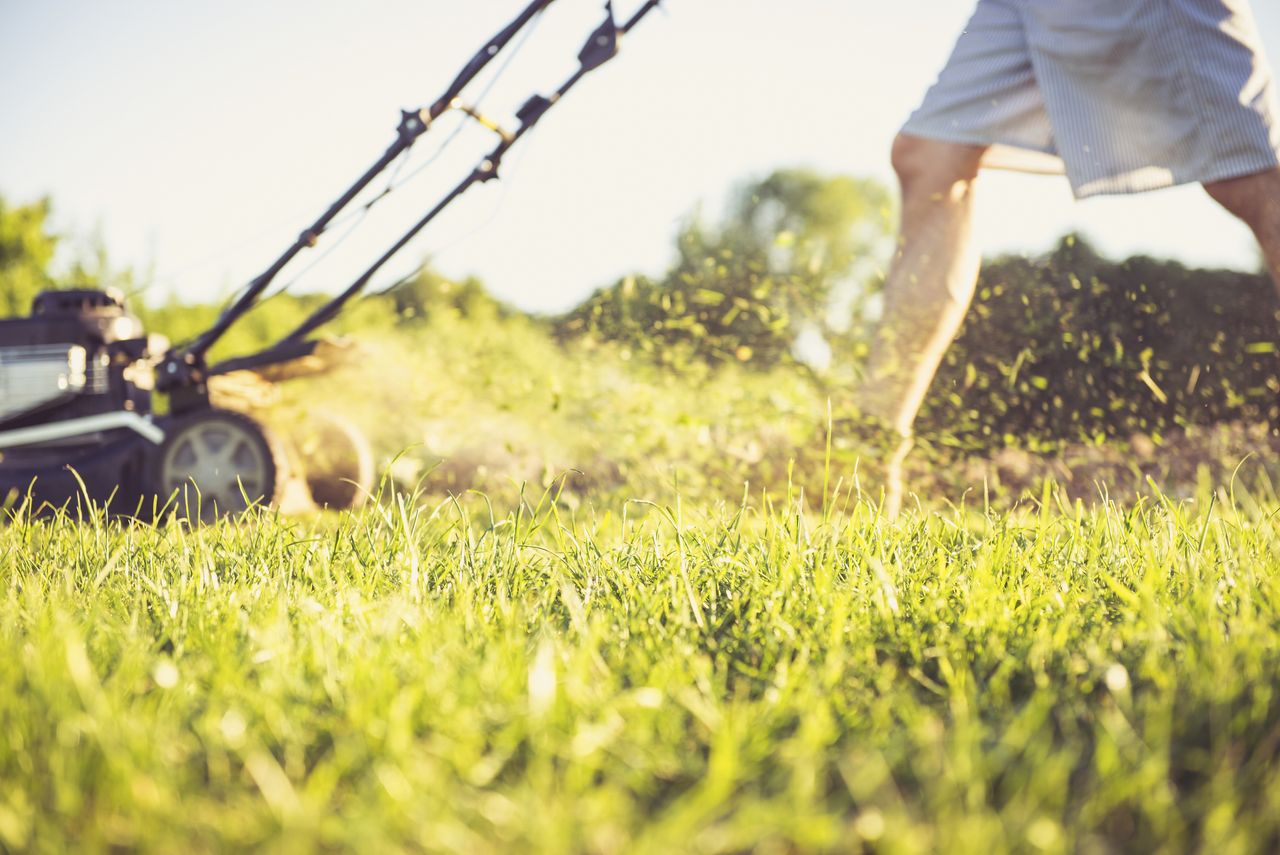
(75, 400)
(77, 431)
(70, 355)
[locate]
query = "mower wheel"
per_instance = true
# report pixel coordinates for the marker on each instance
(215, 463)
(336, 460)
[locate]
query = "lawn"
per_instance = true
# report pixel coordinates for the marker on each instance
(454, 677)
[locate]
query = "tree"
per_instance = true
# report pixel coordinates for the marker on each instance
(431, 293)
(26, 250)
(819, 234)
(788, 255)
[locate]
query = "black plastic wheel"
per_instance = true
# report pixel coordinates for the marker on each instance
(336, 461)
(215, 463)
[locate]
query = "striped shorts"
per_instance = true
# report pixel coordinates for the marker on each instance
(1123, 96)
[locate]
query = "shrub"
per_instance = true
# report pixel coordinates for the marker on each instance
(1071, 346)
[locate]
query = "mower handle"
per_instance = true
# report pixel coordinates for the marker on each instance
(184, 366)
(601, 46)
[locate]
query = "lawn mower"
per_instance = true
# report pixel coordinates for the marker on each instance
(78, 429)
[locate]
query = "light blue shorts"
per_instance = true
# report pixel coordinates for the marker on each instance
(1123, 96)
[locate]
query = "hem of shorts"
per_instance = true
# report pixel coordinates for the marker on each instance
(934, 133)
(1117, 186)
(961, 138)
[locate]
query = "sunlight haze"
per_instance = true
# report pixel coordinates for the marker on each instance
(201, 138)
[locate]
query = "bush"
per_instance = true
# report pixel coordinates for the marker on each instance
(26, 249)
(1073, 347)
(792, 247)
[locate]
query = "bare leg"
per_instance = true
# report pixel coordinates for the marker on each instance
(931, 280)
(1255, 199)
(930, 285)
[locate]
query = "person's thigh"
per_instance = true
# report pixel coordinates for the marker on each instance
(932, 161)
(1250, 197)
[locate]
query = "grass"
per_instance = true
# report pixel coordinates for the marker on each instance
(499, 673)
(652, 679)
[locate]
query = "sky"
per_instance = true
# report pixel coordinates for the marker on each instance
(197, 139)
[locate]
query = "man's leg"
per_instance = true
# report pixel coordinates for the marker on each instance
(1255, 199)
(927, 292)
(931, 280)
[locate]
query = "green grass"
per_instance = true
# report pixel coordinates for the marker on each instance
(592, 674)
(651, 679)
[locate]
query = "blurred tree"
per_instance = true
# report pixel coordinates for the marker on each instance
(26, 250)
(821, 236)
(788, 257)
(431, 293)
(91, 267)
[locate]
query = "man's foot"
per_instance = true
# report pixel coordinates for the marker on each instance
(877, 452)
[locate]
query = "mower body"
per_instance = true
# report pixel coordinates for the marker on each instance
(77, 430)
(76, 421)
(75, 403)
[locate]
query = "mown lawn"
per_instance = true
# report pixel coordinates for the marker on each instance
(655, 679)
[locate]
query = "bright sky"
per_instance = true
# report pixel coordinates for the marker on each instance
(201, 137)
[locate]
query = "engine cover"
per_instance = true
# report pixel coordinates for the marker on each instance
(40, 375)
(75, 355)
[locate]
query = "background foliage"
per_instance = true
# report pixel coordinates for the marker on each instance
(26, 249)
(703, 366)
(790, 251)
(1074, 347)
(664, 625)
